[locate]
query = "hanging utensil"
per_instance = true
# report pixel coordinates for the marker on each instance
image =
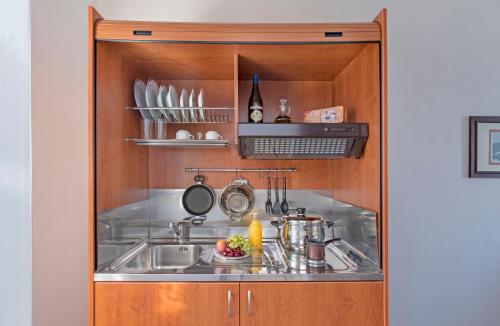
(276, 206)
(284, 204)
(269, 204)
(237, 199)
(198, 200)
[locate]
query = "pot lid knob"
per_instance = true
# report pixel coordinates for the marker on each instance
(301, 211)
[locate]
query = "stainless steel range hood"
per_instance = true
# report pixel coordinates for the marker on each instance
(301, 140)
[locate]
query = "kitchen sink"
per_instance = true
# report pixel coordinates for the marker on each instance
(161, 257)
(107, 251)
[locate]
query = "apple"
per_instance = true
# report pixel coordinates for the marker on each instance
(221, 246)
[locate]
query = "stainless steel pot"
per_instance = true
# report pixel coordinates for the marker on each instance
(295, 230)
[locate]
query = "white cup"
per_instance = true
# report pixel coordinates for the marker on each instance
(212, 135)
(183, 134)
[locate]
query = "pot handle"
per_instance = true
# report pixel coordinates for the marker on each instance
(235, 218)
(331, 240)
(328, 224)
(199, 179)
(238, 181)
(277, 224)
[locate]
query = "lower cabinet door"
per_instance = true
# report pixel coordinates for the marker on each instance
(312, 303)
(155, 304)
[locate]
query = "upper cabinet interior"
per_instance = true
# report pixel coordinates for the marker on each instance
(312, 66)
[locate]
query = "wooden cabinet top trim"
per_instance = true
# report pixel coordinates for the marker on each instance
(231, 32)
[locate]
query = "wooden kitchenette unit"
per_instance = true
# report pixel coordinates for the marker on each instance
(313, 66)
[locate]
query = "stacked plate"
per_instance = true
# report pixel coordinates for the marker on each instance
(156, 102)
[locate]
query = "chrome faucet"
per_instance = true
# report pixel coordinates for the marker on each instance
(181, 230)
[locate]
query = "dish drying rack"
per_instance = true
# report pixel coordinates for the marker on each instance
(185, 115)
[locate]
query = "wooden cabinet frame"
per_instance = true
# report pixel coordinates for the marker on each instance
(376, 31)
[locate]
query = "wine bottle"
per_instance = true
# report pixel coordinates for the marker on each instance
(255, 105)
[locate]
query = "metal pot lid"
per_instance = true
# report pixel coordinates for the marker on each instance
(301, 216)
(305, 218)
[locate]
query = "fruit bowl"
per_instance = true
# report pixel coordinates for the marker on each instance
(228, 258)
(235, 247)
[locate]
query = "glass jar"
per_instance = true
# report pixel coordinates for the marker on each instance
(284, 115)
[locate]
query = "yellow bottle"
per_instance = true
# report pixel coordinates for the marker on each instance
(255, 233)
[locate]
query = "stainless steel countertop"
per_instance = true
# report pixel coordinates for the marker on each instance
(343, 263)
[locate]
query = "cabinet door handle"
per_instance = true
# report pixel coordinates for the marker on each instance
(229, 304)
(249, 302)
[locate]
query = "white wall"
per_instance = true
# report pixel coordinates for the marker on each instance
(15, 202)
(59, 131)
(443, 67)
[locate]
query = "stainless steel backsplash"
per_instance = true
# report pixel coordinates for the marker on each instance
(151, 218)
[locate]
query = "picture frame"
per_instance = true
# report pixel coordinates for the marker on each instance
(484, 147)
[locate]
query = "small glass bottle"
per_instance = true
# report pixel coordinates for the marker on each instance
(284, 116)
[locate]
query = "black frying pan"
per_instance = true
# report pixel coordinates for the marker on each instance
(198, 199)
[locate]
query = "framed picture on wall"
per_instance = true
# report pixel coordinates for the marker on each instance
(484, 147)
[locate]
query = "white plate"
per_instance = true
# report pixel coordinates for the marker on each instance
(174, 99)
(200, 105)
(191, 99)
(140, 98)
(162, 102)
(173, 102)
(159, 98)
(184, 104)
(219, 256)
(191, 107)
(140, 93)
(152, 98)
